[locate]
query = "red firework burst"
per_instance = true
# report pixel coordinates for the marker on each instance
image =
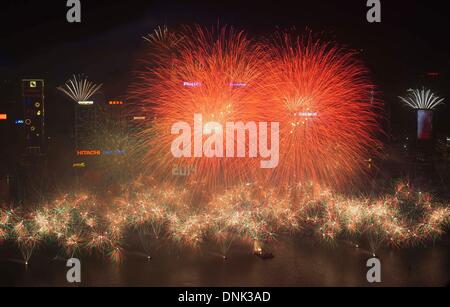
(323, 98)
(319, 94)
(197, 71)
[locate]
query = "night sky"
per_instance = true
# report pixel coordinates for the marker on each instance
(38, 42)
(408, 49)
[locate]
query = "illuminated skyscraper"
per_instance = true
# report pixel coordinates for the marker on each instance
(33, 115)
(85, 125)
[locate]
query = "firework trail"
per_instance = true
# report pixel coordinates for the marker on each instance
(322, 97)
(79, 89)
(422, 99)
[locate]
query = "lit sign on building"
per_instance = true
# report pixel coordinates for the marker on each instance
(306, 114)
(3, 116)
(116, 152)
(192, 84)
(198, 84)
(89, 152)
(139, 118)
(116, 103)
(238, 84)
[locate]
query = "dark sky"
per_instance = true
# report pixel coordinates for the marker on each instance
(36, 40)
(412, 34)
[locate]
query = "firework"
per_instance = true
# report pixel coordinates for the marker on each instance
(422, 99)
(72, 244)
(247, 213)
(27, 239)
(322, 96)
(319, 93)
(79, 90)
(197, 71)
(162, 40)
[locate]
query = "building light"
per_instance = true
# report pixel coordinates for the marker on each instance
(306, 114)
(238, 84)
(139, 118)
(79, 165)
(85, 103)
(192, 84)
(115, 102)
(116, 152)
(19, 122)
(3, 116)
(198, 84)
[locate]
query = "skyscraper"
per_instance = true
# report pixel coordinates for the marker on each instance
(33, 115)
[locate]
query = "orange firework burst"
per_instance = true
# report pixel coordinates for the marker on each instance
(323, 99)
(197, 71)
(319, 94)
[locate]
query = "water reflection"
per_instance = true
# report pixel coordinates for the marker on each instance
(297, 262)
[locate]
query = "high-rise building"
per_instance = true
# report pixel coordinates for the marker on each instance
(85, 125)
(33, 115)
